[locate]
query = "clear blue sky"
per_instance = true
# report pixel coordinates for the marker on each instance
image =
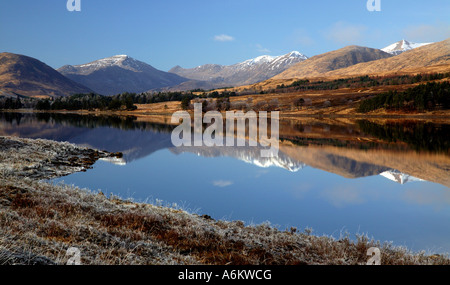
(189, 33)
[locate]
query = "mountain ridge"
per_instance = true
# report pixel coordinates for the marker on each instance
(118, 74)
(246, 72)
(435, 54)
(336, 59)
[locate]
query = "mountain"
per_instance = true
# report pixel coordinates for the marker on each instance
(341, 58)
(246, 72)
(402, 46)
(429, 58)
(118, 74)
(30, 77)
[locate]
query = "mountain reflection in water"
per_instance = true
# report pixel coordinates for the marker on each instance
(401, 151)
(390, 180)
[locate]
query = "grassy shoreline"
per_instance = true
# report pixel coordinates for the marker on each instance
(39, 221)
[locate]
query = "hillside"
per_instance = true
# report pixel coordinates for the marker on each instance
(30, 77)
(435, 55)
(332, 60)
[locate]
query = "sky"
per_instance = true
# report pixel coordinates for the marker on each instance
(190, 33)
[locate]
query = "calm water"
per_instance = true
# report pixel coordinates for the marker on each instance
(391, 183)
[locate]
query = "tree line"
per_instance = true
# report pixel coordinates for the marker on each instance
(10, 103)
(424, 97)
(359, 82)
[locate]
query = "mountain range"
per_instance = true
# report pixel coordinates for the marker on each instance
(246, 72)
(27, 76)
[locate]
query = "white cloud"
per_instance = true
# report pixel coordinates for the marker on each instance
(223, 38)
(222, 183)
(262, 49)
(345, 33)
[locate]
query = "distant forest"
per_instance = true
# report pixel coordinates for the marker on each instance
(359, 82)
(91, 101)
(425, 97)
(125, 101)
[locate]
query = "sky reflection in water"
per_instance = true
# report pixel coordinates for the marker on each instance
(332, 190)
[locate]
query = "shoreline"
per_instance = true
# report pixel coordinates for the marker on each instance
(284, 115)
(40, 221)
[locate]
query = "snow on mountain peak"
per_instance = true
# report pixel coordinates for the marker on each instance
(297, 55)
(259, 60)
(121, 60)
(402, 46)
(268, 59)
(108, 61)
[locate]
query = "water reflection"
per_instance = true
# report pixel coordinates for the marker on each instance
(402, 151)
(389, 180)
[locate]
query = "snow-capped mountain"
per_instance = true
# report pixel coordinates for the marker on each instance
(118, 74)
(123, 61)
(399, 177)
(274, 61)
(247, 72)
(402, 46)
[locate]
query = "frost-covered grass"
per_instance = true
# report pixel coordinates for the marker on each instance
(39, 221)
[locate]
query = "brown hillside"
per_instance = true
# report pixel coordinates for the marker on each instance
(30, 77)
(342, 58)
(433, 55)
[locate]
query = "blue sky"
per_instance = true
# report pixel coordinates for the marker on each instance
(189, 33)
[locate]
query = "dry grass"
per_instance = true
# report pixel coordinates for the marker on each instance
(39, 221)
